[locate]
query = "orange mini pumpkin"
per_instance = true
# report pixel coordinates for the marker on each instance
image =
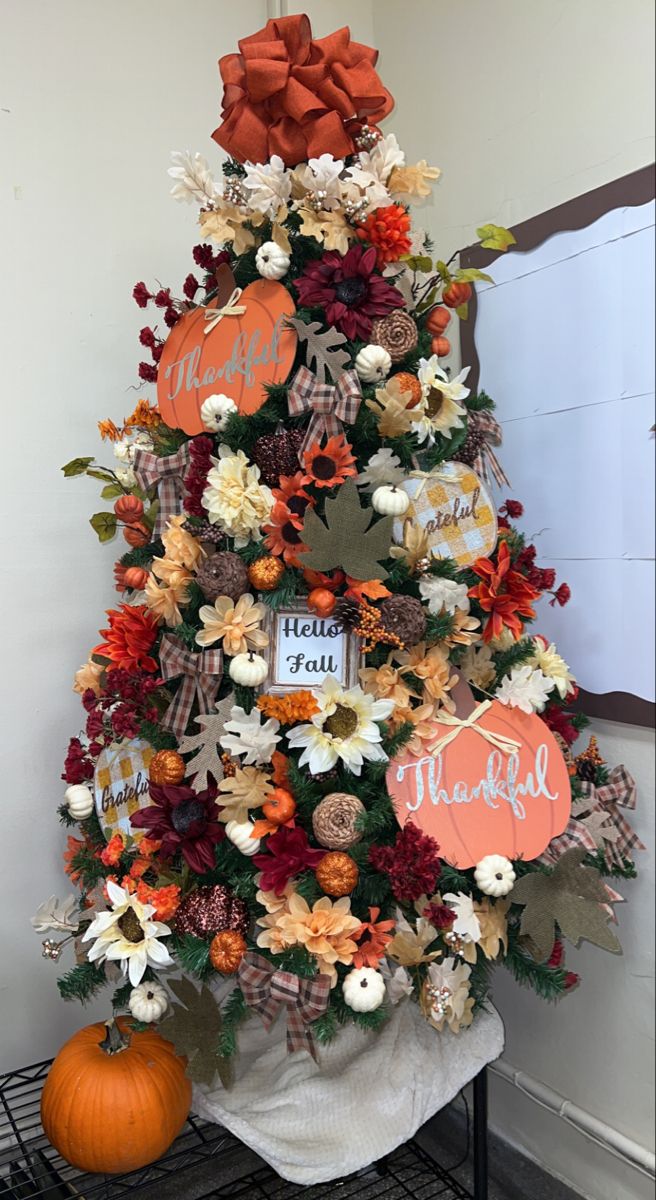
(456, 294)
(227, 949)
(337, 873)
(437, 321)
(321, 601)
(167, 767)
(129, 509)
(137, 534)
(410, 386)
(441, 346)
(114, 1100)
(280, 807)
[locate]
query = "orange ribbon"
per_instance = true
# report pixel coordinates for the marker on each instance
(287, 94)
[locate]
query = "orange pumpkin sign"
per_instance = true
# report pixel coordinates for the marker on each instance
(235, 355)
(493, 783)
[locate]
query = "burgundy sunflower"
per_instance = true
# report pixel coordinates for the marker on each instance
(184, 821)
(349, 290)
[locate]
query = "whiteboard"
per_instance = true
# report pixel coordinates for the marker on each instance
(564, 339)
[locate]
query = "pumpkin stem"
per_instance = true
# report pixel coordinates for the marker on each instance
(114, 1041)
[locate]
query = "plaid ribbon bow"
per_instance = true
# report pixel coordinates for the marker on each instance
(490, 430)
(331, 406)
(201, 676)
(168, 474)
(620, 791)
(267, 990)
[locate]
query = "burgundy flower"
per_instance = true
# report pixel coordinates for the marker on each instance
(288, 853)
(147, 336)
(183, 820)
(141, 294)
(190, 286)
(412, 863)
(195, 481)
(78, 767)
(348, 289)
(562, 595)
(560, 722)
(439, 915)
(148, 372)
(163, 298)
(512, 508)
(171, 317)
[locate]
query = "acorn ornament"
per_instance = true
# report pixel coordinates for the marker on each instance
(79, 801)
(167, 768)
(337, 874)
(390, 501)
(265, 573)
(248, 669)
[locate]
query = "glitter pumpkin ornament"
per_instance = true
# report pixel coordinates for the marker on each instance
(265, 573)
(210, 909)
(410, 387)
(167, 768)
(226, 951)
(337, 874)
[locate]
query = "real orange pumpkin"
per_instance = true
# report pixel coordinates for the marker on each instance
(238, 356)
(280, 807)
(114, 1100)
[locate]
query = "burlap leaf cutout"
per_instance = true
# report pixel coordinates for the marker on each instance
(321, 354)
(205, 745)
(572, 898)
(345, 540)
(194, 1026)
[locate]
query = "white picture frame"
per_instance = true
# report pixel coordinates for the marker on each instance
(304, 648)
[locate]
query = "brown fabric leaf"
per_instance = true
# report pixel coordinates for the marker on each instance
(194, 1026)
(571, 898)
(321, 354)
(345, 539)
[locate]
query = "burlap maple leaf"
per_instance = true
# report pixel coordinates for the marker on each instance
(571, 898)
(346, 539)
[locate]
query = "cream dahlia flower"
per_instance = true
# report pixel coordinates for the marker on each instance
(234, 497)
(344, 728)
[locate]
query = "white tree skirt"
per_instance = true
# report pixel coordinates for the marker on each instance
(368, 1094)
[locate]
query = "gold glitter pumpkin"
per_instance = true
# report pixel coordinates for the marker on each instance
(167, 768)
(226, 951)
(337, 874)
(265, 573)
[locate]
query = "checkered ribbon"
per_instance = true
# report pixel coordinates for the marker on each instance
(267, 990)
(168, 475)
(487, 425)
(331, 406)
(619, 792)
(201, 676)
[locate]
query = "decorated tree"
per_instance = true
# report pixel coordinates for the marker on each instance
(325, 749)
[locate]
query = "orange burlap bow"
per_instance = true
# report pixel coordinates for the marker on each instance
(287, 94)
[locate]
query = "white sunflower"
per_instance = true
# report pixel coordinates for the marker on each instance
(344, 728)
(126, 934)
(441, 412)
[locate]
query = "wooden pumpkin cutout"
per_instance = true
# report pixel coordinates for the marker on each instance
(477, 798)
(452, 505)
(237, 356)
(121, 786)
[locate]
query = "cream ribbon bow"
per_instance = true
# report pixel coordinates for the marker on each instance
(426, 476)
(505, 744)
(230, 309)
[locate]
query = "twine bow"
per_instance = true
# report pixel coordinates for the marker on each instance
(490, 430)
(436, 473)
(201, 676)
(168, 475)
(229, 309)
(267, 990)
(330, 405)
(505, 744)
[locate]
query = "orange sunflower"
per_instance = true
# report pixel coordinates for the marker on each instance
(329, 465)
(281, 534)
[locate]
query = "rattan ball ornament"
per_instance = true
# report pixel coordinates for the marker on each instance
(396, 333)
(222, 574)
(167, 768)
(334, 820)
(337, 874)
(226, 951)
(405, 617)
(265, 573)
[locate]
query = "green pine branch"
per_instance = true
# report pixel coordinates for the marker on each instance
(234, 1012)
(192, 953)
(81, 982)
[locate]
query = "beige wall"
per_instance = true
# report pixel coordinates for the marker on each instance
(525, 105)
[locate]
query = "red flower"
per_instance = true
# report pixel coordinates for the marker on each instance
(185, 821)
(190, 286)
(147, 337)
(147, 372)
(412, 863)
(348, 291)
(504, 593)
(287, 94)
(512, 508)
(131, 634)
(387, 229)
(562, 595)
(439, 915)
(78, 767)
(195, 481)
(560, 722)
(288, 853)
(141, 294)
(372, 949)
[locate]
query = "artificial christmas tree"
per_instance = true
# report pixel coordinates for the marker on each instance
(324, 621)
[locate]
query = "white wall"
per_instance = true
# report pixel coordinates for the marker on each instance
(525, 106)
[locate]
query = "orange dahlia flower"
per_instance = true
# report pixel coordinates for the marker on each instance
(131, 634)
(387, 229)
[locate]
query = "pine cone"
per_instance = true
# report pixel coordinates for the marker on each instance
(405, 617)
(222, 574)
(347, 612)
(276, 454)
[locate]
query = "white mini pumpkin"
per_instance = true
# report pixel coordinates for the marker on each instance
(494, 875)
(239, 833)
(79, 801)
(271, 261)
(214, 412)
(390, 501)
(373, 364)
(364, 989)
(248, 669)
(148, 1002)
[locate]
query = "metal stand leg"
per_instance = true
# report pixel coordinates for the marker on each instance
(480, 1135)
